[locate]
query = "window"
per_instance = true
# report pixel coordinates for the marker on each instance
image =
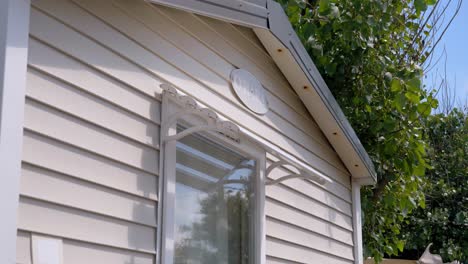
(212, 197)
(214, 203)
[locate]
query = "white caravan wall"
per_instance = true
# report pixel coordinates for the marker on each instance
(92, 118)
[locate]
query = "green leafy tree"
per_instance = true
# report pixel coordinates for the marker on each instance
(371, 55)
(444, 221)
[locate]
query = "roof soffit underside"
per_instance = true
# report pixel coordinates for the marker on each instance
(281, 28)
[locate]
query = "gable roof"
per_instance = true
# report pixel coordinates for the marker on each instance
(272, 27)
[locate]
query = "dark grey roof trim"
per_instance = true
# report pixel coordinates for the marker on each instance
(252, 13)
(282, 29)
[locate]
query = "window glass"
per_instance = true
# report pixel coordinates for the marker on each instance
(214, 203)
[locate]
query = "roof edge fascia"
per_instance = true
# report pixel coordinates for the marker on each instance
(239, 12)
(279, 26)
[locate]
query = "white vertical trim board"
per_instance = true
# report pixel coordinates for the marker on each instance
(14, 30)
(357, 216)
(356, 185)
(169, 186)
(357, 222)
(47, 250)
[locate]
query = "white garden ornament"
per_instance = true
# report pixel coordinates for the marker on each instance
(428, 258)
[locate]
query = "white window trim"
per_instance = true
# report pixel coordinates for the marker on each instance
(173, 106)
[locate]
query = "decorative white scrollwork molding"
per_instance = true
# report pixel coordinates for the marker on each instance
(300, 175)
(189, 107)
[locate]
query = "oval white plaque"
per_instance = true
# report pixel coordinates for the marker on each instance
(250, 91)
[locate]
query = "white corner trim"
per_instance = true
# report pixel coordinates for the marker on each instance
(14, 30)
(357, 223)
(356, 185)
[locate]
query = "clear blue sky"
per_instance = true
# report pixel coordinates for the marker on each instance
(455, 42)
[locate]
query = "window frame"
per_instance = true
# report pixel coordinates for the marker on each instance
(167, 180)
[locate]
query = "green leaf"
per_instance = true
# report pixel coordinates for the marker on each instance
(331, 68)
(324, 6)
(419, 170)
(412, 97)
(420, 5)
(308, 30)
(414, 84)
(424, 109)
(400, 101)
(400, 245)
(422, 203)
(434, 103)
(420, 148)
(390, 148)
(396, 85)
(389, 249)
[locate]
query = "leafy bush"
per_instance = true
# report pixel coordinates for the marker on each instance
(370, 54)
(444, 221)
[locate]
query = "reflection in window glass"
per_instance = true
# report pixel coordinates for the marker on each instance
(213, 204)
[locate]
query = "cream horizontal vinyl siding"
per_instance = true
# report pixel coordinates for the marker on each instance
(79, 252)
(23, 248)
(51, 186)
(90, 158)
(92, 120)
(154, 60)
